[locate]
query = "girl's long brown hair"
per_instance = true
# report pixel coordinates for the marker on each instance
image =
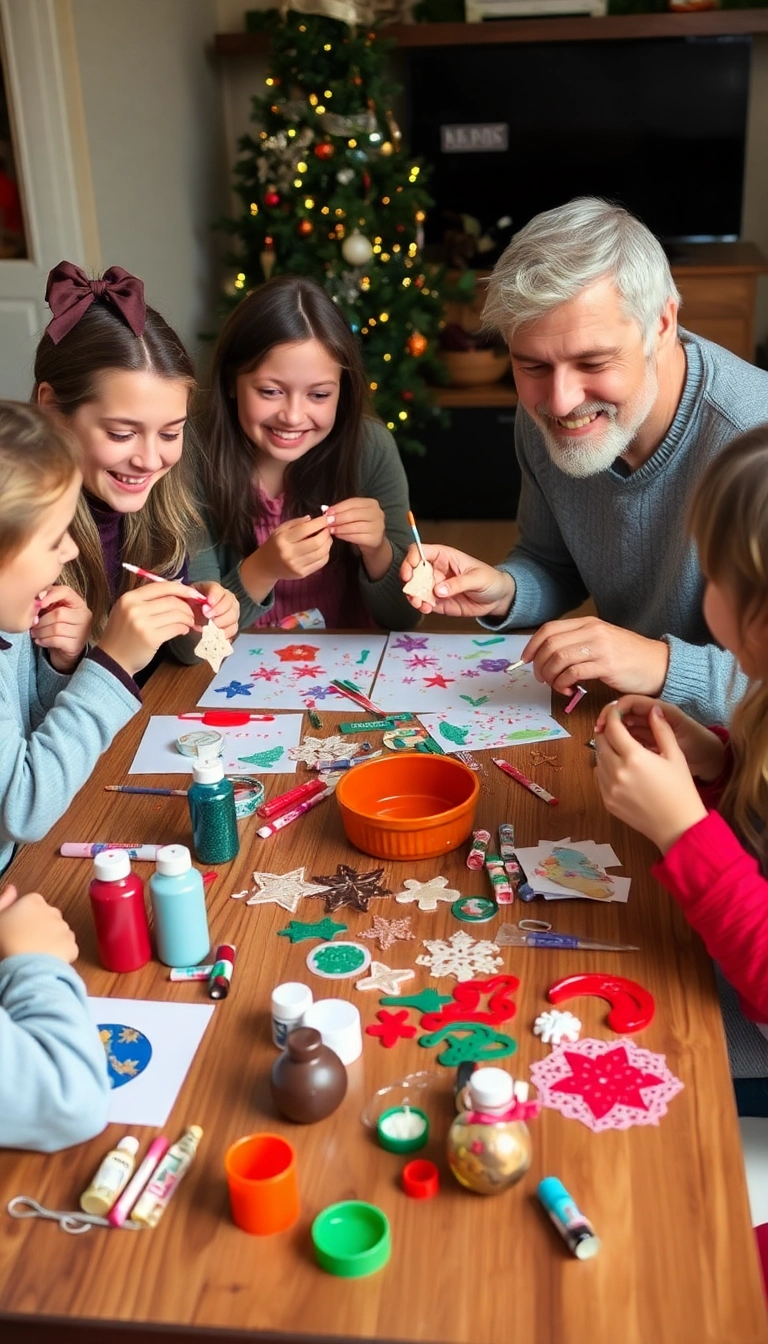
(157, 536)
(286, 309)
(729, 523)
(38, 460)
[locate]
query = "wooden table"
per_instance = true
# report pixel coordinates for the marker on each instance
(678, 1262)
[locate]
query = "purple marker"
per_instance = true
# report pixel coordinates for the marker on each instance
(146, 853)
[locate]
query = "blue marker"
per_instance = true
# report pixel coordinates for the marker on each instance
(577, 1232)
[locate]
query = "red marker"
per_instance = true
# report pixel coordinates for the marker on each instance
(276, 806)
(527, 783)
(192, 594)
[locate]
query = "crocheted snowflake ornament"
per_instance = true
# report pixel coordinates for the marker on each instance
(460, 956)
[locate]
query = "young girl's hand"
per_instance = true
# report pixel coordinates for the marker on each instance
(294, 550)
(63, 627)
(702, 749)
(143, 619)
(362, 523)
(28, 924)
(222, 608)
(653, 791)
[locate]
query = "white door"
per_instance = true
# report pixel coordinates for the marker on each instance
(43, 92)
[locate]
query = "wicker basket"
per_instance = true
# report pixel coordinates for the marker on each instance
(469, 368)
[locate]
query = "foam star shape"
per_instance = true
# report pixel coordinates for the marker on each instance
(299, 931)
(313, 750)
(347, 886)
(389, 931)
(384, 979)
(427, 894)
(284, 889)
(393, 1027)
(213, 645)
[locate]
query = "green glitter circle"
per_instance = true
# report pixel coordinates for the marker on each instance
(334, 960)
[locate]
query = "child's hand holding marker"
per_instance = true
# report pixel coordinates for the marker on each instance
(62, 626)
(650, 789)
(143, 619)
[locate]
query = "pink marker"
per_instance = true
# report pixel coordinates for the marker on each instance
(277, 806)
(578, 695)
(294, 814)
(119, 1211)
(527, 783)
(192, 593)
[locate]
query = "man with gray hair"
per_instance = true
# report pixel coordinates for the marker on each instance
(619, 412)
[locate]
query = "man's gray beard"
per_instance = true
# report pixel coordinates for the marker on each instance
(580, 457)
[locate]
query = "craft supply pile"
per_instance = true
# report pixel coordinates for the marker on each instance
(415, 698)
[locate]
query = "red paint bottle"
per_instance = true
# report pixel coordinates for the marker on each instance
(119, 912)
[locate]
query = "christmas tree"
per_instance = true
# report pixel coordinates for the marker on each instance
(328, 191)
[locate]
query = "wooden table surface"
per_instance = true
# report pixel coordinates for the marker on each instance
(677, 1263)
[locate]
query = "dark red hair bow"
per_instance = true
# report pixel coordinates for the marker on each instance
(70, 293)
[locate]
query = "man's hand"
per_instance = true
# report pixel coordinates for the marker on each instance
(463, 586)
(584, 648)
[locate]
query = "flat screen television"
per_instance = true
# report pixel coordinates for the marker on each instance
(658, 125)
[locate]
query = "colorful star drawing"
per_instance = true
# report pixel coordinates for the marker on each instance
(299, 931)
(298, 653)
(427, 894)
(234, 688)
(314, 671)
(494, 664)
(384, 979)
(438, 680)
(284, 889)
(420, 661)
(389, 931)
(347, 886)
(410, 642)
(319, 692)
(605, 1085)
(267, 674)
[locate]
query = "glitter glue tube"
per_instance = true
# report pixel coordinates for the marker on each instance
(223, 970)
(476, 855)
(577, 1232)
(120, 1210)
(276, 806)
(499, 881)
(152, 1203)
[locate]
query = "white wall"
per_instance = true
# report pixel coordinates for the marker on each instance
(159, 158)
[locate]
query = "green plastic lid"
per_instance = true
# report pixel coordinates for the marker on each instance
(351, 1239)
(402, 1130)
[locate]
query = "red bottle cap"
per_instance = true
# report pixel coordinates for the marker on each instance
(421, 1179)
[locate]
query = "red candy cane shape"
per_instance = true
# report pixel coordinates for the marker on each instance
(632, 1007)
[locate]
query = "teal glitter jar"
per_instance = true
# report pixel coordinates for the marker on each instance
(211, 800)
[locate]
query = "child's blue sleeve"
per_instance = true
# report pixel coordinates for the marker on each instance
(54, 1088)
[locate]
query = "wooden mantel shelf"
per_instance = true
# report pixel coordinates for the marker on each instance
(705, 23)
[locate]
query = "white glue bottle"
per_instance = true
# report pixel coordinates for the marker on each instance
(150, 1206)
(111, 1178)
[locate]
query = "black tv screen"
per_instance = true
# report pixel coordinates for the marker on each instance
(658, 125)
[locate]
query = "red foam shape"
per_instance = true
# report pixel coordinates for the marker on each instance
(606, 1082)
(632, 1007)
(467, 995)
(394, 1027)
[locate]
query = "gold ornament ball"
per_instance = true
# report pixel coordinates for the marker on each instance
(356, 249)
(416, 344)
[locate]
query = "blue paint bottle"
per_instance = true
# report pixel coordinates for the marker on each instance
(178, 908)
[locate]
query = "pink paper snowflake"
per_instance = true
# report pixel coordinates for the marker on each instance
(606, 1084)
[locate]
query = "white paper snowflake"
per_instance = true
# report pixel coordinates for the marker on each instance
(555, 1026)
(460, 956)
(313, 750)
(427, 894)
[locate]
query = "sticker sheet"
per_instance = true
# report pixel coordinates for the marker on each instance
(283, 671)
(427, 673)
(149, 1047)
(251, 748)
(540, 865)
(479, 730)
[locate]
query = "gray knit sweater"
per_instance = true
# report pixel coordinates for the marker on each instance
(621, 540)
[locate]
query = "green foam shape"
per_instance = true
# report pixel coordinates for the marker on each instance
(324, 929)
(427, 1001)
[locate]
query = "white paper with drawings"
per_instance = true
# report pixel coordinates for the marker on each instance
(150, 1046)
(294, 670)
(250, 748)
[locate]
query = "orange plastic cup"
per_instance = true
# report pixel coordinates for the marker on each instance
(263, 1183)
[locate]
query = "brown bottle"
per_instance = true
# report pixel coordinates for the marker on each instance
(308, 1080)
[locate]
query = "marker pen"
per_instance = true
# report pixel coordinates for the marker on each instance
(90, 849)
(294, 814)
(527, 783)
(276, 806)
(120, 1210)
(578, 695)
(222, 971)
(576, 1230)
(188, 973)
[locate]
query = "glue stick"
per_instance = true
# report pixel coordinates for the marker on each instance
(112, 1177)
(151, 1205)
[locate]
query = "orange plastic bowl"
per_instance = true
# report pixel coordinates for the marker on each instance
(408, 806)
